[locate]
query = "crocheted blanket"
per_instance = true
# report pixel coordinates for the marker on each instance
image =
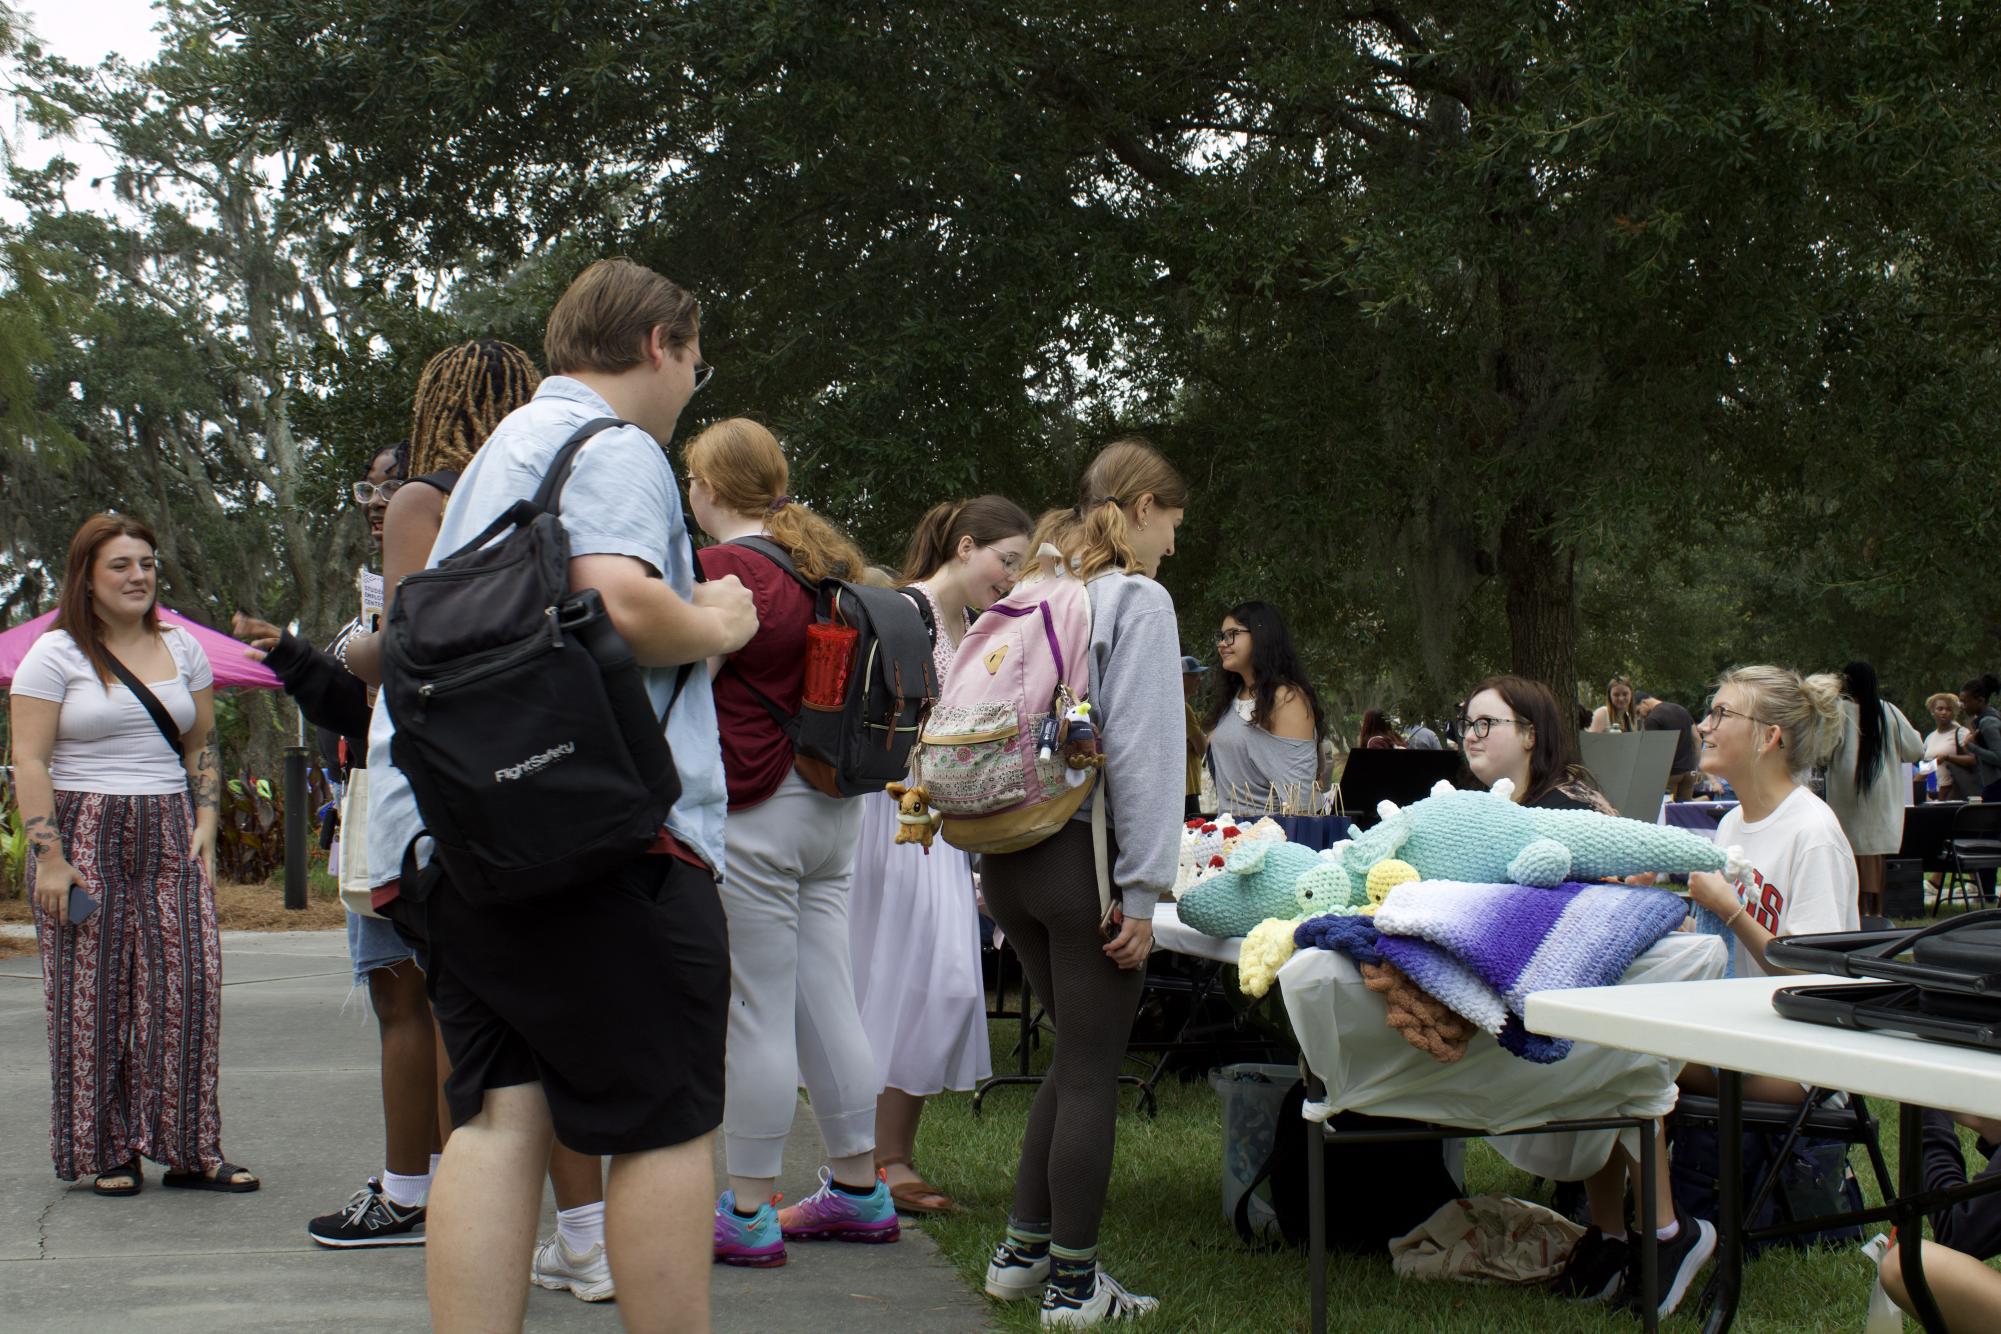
(1483, 950)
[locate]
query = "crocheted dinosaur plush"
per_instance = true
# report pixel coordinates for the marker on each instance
(1264, 879)
(1484, 837)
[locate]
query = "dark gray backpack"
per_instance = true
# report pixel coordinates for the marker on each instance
(864, 744)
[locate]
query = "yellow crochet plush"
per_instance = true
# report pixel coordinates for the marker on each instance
(1385, 876)
(1265, 951)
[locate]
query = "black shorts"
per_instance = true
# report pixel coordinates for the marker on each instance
(615, 999)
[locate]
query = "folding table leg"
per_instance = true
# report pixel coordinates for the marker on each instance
(1911, 1216)
(1316, 1204)
(1724, 1288)
(1650, 1237)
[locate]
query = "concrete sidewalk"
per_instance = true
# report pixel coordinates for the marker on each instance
(301, 1108)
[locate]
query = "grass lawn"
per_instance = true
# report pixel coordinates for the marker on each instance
(1165, 1235)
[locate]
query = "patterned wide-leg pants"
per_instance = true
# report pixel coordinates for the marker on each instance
(134, 994)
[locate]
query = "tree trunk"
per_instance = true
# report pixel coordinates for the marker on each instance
(1541, 581)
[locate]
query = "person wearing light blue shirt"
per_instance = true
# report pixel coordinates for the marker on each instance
(595, 1016)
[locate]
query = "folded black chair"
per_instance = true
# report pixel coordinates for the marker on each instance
(1971, 853)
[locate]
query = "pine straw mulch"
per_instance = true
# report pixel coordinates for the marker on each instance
(238, 908)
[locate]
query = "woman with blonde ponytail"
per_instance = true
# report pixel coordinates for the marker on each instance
(1087, 968)
(791, 850)
(914, 922)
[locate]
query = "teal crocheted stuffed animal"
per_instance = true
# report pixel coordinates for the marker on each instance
(1485, 838)
(1264, 879)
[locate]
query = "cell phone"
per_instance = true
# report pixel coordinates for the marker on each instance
(81, 905)
(1109, 924)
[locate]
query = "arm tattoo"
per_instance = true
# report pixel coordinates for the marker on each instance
(208, 776)
(43, 834)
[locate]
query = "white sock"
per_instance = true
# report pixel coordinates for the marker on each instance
(1620, 1235)
(582, 1227)
(436, 1158)
(1670, 1232)
(406, 1192)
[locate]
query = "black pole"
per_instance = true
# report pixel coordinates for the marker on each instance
(295, 826)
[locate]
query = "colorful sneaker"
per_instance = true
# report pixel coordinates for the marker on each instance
(834, 1215)
(369, 1218)
(587, 1276)
(1106, 1301)
(1012, 1275)
(754, 1241)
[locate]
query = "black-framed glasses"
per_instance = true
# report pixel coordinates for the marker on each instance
(1718, 713)
(1480, 727)
(1228, 638)
(367, 493)
(704, 373)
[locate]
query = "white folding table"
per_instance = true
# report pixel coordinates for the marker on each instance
(1730, 1024)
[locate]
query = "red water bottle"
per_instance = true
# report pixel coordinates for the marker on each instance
(830, 660)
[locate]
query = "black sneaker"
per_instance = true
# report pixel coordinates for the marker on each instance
(1596, 1270)
(1680, 1261)
(369, 1218)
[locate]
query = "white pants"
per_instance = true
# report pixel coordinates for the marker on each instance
(792, 990)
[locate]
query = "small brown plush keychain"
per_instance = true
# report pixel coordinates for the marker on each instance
(915, 820)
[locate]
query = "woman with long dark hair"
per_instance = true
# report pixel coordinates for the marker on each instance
(1513, 729)
(113, 720)
(1863, 786)
(1265, 721)
(1377, 734)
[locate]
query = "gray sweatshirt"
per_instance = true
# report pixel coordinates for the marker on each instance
(1136, 702)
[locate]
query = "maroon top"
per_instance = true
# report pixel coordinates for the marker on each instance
(756, 755)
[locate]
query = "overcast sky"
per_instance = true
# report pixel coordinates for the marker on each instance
(85, 31)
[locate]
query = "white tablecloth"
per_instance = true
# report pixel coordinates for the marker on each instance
(1367, 1066)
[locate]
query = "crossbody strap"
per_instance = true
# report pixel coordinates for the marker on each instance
(161, 718)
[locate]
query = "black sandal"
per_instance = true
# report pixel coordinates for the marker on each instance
(222, 1180)
(131, 1170)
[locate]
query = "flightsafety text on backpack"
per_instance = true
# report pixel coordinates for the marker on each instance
(595, 1013)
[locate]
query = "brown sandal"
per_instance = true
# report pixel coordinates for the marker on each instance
(919, 1196)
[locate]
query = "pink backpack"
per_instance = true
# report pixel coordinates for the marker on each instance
(981, 759)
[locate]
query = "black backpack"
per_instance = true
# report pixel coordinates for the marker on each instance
(522, 718)
(1374, 1192)
(864, 745)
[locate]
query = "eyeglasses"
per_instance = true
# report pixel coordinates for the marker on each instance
(1717, 713)
(1228, 638)
(704, 373)
(1478, 728)
(367, 493)
(1010, 561)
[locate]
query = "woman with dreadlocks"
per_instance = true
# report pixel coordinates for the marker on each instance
(1863, 777)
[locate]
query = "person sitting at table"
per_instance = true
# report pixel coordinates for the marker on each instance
(1985, 743)
(1766, 729)
(1947, 747)
(1264, 722)
(1865, 785)
(1616, 714)
(1513, 730)
(1968, 1293)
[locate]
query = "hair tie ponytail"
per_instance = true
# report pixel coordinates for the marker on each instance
(778, 504)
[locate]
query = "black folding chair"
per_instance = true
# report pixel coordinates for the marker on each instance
(1971, 853)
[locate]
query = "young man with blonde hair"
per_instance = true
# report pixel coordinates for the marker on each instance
(597, 1017)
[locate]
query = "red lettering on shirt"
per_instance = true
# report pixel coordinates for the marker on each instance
(1763, 901)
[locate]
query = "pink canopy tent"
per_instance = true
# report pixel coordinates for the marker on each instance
(225, 655)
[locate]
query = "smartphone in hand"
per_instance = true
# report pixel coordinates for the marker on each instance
(81, 905)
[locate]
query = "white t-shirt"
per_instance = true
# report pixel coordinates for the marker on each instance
(1802, 877)
(105, 739)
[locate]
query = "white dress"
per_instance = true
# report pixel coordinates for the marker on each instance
(913, 929)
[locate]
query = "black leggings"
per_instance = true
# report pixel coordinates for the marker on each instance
(1046, 900)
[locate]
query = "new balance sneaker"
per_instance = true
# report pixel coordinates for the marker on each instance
(587, 1276)
(755, 1241)
(834, 1215)
(1680, 1261)
(1596, 1270)
(1012, 1275)
(1106, 1301)
(369, 1218)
